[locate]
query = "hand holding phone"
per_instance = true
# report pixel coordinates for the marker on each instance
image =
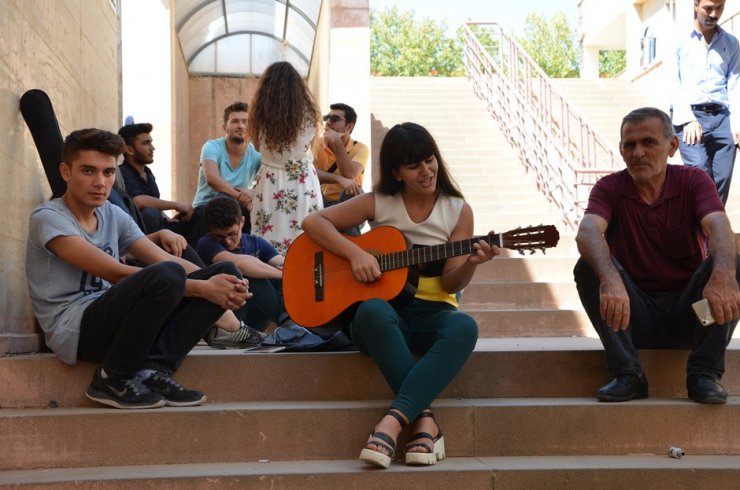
(703, 312)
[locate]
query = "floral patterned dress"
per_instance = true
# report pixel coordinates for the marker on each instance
(287, 189)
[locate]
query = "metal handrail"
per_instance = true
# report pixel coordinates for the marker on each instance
(552, 138)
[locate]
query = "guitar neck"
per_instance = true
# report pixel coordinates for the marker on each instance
(432, 253)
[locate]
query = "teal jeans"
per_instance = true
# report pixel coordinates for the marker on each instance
(443, 336)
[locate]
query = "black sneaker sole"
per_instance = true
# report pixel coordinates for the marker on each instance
(106, 399)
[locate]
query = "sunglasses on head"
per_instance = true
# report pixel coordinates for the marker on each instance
(332, 117)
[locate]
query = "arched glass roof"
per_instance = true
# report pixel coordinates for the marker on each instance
(243, 37)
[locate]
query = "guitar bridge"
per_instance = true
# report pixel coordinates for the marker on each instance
(318, 276)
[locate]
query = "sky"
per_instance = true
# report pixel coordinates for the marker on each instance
(509, 13)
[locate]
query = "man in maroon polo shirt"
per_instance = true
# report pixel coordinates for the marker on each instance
(643, 245)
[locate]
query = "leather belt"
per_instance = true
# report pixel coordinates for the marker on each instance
(707, 107)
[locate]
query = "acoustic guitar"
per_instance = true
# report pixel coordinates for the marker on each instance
(318, 286)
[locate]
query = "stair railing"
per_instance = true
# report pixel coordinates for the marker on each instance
(565, 152)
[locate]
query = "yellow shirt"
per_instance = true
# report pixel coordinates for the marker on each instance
(324, 159)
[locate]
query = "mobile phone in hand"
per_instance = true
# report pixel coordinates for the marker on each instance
(703, 312)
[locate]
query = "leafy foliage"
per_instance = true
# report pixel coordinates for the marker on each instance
(551, 43)
(401, 45)
(612, 63)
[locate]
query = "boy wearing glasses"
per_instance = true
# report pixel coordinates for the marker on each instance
(339, 160)
(258, 261)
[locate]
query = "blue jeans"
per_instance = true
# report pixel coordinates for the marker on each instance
(715, 154)
(657, 321)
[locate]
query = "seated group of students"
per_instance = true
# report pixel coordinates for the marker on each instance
(222, 204)
(100, 236)
(637, 278)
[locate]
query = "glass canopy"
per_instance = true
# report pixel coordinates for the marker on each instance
(243, 37)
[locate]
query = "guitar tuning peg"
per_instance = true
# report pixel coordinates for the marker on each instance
(531, 252)
(521, 252)
(544, 251)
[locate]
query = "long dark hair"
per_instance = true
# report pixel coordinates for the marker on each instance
(281, 107)
(410, 143)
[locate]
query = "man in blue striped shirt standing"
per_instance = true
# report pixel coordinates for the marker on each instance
(705, 101)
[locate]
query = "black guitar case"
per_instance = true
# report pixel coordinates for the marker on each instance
(39, 115)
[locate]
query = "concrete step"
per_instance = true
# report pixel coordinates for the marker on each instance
(502, 185)
(505, 473)
(517, 295)
(464, 129)
(495, 176)
(538, 268)
(503, 210)
(240, 432)
(499, 367)
(531, 322)
(591, 97)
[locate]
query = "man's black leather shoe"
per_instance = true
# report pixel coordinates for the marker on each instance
(705, 389)
(624, 387)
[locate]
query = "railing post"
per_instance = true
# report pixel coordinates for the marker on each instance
(530, 125)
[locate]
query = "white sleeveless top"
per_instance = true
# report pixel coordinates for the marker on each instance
(436, 229)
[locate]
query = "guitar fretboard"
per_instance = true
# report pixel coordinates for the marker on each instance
(422, 255)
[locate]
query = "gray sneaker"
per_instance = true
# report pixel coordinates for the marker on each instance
(245, 337)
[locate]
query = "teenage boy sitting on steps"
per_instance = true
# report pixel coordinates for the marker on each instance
(140, 323)
(257, 260)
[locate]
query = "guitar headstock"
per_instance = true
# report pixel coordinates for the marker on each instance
(531, 238)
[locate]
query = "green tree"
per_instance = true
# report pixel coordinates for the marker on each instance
(551, 43)
(612, 63)
(400, 45)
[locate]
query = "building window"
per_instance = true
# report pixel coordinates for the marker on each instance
(671, 6)
(647, 46)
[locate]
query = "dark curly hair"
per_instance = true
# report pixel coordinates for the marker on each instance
(410, 143)
(280, 108)
(91, 139)
(222, 212)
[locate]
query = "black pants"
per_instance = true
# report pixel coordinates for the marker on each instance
(145, 321)
(265, 305)
(657, 321)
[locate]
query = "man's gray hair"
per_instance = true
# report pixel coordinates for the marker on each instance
(643, 113)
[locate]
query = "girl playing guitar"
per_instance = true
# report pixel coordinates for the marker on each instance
(416, 195)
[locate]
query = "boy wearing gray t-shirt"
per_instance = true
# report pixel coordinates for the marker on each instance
(139, 323)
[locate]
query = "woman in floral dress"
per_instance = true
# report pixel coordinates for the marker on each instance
(283, 118)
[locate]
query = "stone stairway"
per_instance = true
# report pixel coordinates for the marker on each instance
(605, 101)
(503, 196)
(591, 97)
(521, 414)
